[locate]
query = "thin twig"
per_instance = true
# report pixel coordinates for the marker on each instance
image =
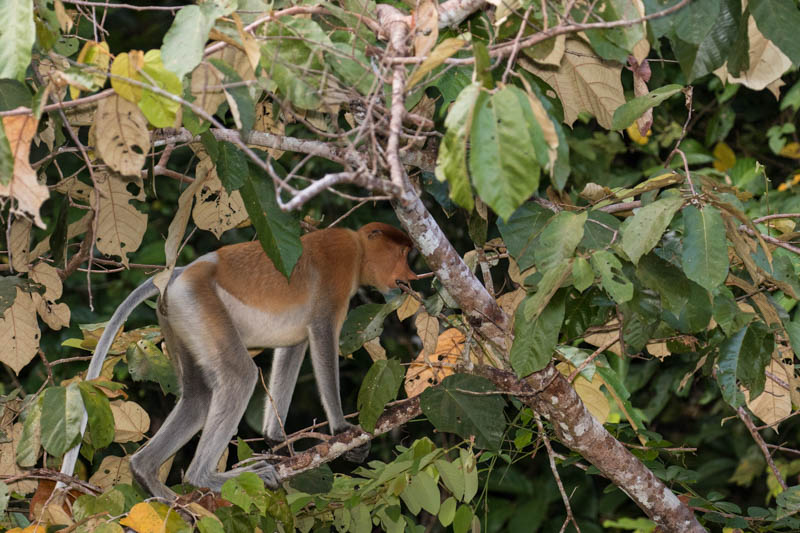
(748, 422)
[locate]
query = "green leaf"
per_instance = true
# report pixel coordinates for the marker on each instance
(242, 108)
(504, 168)
(447, 511)
(551, 281)
(727, 364)
(8, 290)
(535, 341)
(453, 476)
(4, 497)
(788, 501)
(705, 248)
(666, 279)
(728, 314)
(231, 166)
(147, 363)
(582, 274)
(615, 43)
(559, 239)
(469, 467)
(609, 268)
(627, 113)
(101, 419)
(521, 231)
(13, 94)
(643, 230)
(451, 163)
(17, 33)
(278, 232)
(160, 111)
(379, 387)
(778, 20)
(316, 481)
(427, 492)
(462, 522)
(184, 42)
(351, 64)
(31, 439)
(6, 158)
(363, 324)
(111, 503)
(450, 407)
(62, 410)
(209, 524)
(756, 351)
(244, 491)
(706, 33)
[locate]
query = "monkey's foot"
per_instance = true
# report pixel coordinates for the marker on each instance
(215, 480)
(358, 455)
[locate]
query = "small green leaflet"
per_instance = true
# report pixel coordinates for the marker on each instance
(535, 342)
(184, 42)
(642, 232)
(627, 113)
(379, 387)
(62, 410)
(451, 164)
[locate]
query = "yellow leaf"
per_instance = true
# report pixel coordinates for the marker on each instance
(128, 65)
(426, 27)
(422, 374)
(408, 307)
(143, 518)
(428, 331)
(96, 55)
(130, 421)
(638, 138)
(791, 150)
(589, 391)
(724, 158)
(443, 50)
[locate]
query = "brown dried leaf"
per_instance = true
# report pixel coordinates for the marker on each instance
(19, 332)
(443, 50)
(55, 315)
(774, 404)
(125, 140)
(265, 121)
(131, 422)
(120, 226)
(426, 27)
(112, 471)
(375, 350)
(408, 307)
(600, 339)
(589, 391)
(8, 463)
(215, 210)
(767, 62)
(583, 82)
(206, 85)
(421, 375)
(19, 243)
(24, 187)
(47, 276)
(428, 330)
(509, 301)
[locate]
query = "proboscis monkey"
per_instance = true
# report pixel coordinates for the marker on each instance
(233, 299)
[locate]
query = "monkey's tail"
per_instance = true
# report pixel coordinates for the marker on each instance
(140, 294)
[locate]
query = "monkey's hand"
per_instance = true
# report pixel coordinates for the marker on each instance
(358, 455)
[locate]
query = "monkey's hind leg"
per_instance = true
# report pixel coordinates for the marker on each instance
(183, 422)
(233, 375)
(286, 363)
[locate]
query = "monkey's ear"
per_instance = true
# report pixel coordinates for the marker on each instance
(374, 233)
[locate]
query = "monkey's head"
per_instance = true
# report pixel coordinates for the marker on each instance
(385, 256)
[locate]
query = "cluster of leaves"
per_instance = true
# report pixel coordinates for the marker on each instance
(677, 276)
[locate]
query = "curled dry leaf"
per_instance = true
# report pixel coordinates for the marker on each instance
(131, 422)
(408, 307)
(19, 332)
(767, 62)
(47, 276)
(8, 463)
(206, 84)
(426, 27)
(19, 243)
(600, 339)
(215, 210)
(24, 187)
(583, 82)
(113, 470)
(775, 403)
(120, 226)
(125, 140)
(449, 350)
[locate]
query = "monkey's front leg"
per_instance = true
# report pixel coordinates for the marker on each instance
(286, 363)
(324, 339)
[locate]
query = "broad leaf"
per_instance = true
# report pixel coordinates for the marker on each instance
(609, 268)
(278, 232)
(727, 365)
(450, 407)
(503, 167)
(778, 20)
(627, 113)
(705, 248)
(559, 239)
(642, 232)
(184, 42)
(101, 419)
(379, 387)
(535, 342)
(62, 410)
(231, 166)
(451, 163)
(521, 232)
(18, 35)
(147, 362)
